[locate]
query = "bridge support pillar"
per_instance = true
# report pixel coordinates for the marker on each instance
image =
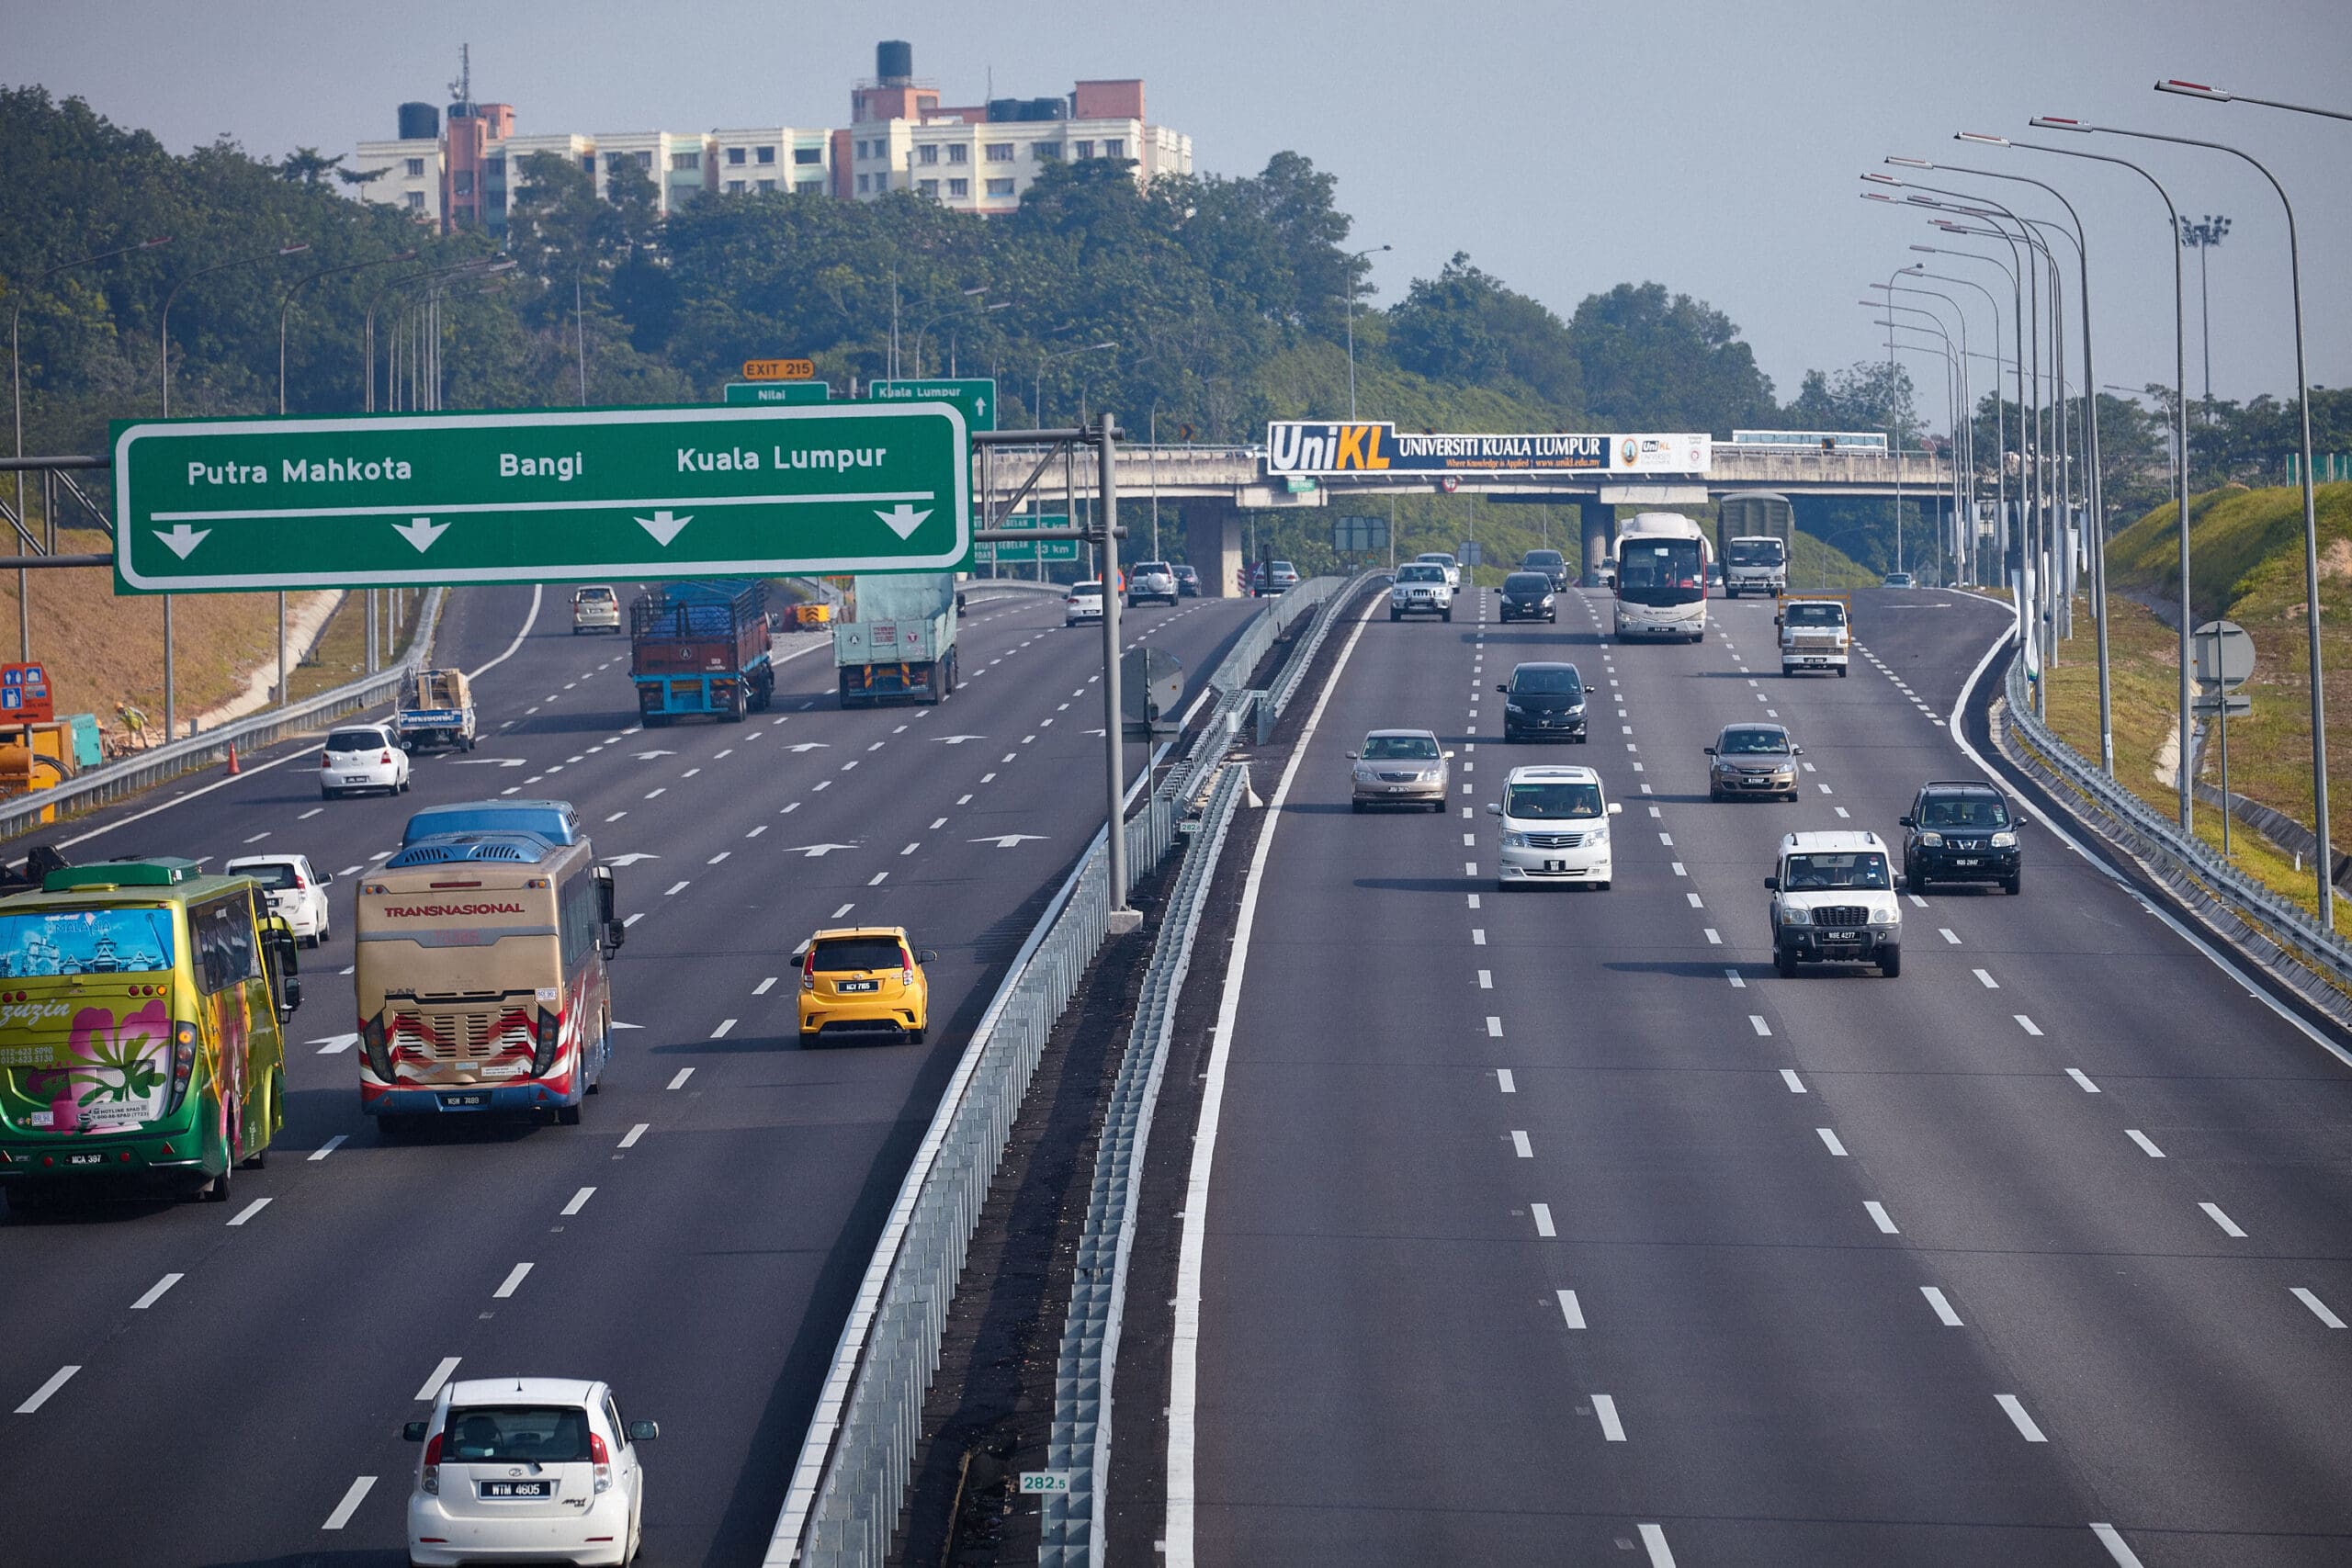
(1599, 521)
(1212, 545)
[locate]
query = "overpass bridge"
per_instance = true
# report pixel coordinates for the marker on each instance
(1212, 486)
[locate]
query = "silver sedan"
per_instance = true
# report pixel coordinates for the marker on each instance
(1400, 767)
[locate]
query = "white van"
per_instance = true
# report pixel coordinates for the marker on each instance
(1834, 901)
(1556, 827)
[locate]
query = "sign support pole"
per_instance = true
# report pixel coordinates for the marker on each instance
(1114, 739)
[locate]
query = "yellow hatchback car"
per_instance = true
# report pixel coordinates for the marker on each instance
(864, 981)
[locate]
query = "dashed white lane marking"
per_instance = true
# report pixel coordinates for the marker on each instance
(757, 831)
(155, 1291)
(674, 890)
(1469, 840)
(328, 1148)
(2229, 1226)
(361, 1486)
(1679, 870)
(1474, 900)
(2147, 1145)
(1493, 1027)
(1789, 1076)
(431, 1388)
(1823, 788)
(679, 1081)
(2017, 1418)
(2319, 1308)
(763, 988)
(844, 909)
(1917, 902)
(41, 1395)
(2077, 1074)
(1504, 1080)
(663, 790)
(1944, 1314)
(1738, 981)
(2027, 1024)
(1542, 1213)
(257, 838)
(629, 1138)
(1477, 936)
(1878, 1217)
(632, 919)
(578, 1202)
(876, 880)
(687, 774)
(1756, 1022)
(1696, 902)
(1520, 1146)
(1842, 812)
(2124, 1555)
(1986, 980)
(1714, 937)
(513, 1282)
(615, 817)
(725, 1024)
(719, 856)
(1571, 1310)
(1948, 935)
(250, 1209)
(1654, 1542)
(911, 849)
(1605, 1408)
(1829, 1141)
(1486, 979)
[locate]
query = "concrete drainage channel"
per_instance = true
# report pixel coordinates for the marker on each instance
(849, 1484)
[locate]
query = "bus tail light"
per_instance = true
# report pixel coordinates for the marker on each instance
(550, 1031)
(602, 1458)
(373, 1041)
(431, 1481)
(183, 1059)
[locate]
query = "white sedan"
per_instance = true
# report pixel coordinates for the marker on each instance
(298, 893)
(363, 756)
(528, 1469)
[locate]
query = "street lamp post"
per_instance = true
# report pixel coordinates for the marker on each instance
(2325, 868)
(1951, 396)
(17, 403)
(1037, 386)
(2000, 467)
(1351, 294)
(970, 295)
(1963, 434)
(2201, 238)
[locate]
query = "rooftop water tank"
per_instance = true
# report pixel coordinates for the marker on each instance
(894, 61)
(420, 122)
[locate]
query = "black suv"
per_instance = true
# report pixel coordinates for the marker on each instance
(1527, 596)
(1961, 831)
(1544, 701)
(1551, 563)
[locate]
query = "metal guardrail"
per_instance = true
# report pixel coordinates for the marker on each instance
(2315, 961)
(1079, 1440)
(144, 770)
(1303, 651)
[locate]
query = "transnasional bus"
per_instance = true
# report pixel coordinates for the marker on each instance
(1662, 561)
(480, 969)
(142, 1013)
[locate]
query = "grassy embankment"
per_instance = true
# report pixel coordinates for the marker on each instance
(2246, 565)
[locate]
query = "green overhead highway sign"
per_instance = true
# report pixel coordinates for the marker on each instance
(976, 396)
(235, 505)
(1007, 552)
(778, 392)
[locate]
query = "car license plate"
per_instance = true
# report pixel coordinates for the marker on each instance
(1555, 865)
(85, 1159)
(516, 1488)
(859, 986)
(1965, 861)
(1844, 936)
(461, 1101)
(356, 778)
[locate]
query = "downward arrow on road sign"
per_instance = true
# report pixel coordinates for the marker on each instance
(629, 859)
(665, 525)
(420, 531)
(182, 540)
(1009, 841)
(817, 851)
(903, 519)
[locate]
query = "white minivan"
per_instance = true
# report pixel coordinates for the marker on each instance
(540, 1469)
(1556, 827)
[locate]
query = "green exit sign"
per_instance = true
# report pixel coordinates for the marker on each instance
(238, 505)
(778, 392)
(975, 395)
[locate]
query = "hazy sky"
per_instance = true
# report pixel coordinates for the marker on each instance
(1712, 147)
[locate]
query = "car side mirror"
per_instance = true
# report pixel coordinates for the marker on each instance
(1493, 810)
(1773, 884)
(644, 1431)
(1708, 750)
(1796, 750)
(1905, 823)
(1777, 621)
(1505, 687)
(1616, 808)
(926, 955)
(324, 878)
(1352, 757)
(412, 1431)
(1447, 755)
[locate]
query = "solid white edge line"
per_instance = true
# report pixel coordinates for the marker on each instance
(2246, 980)
(350, 1504)
(431, 1388)
(2124, 1556)
(538, 591)
(1184, 1370)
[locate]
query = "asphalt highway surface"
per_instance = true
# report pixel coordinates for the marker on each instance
(206, 1383)
(1554, 1227)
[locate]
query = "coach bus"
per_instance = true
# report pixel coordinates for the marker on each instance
(1662, 561)
(481, 970)
(1872, 441)
(142, 1013)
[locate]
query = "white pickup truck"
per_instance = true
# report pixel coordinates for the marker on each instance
(1817, 633)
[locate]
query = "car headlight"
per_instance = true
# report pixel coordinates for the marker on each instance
(1514, 840)
(1363, 771)
(1889, 916)
(1429, 775)
(1510, 706)
(1931, 841)
(2005, 841)
(1724, 765)
(1547, 601)
(1599, 837)
(1792, 915)
(1575, 708)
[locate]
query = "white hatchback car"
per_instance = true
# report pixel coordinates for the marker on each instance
(298, 894)
(362, 756)
(540, 1470)
(1556, 827)
(1084, 603)
(1442, 559)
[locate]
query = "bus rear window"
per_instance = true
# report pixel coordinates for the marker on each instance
(836, 955)
(86, 942)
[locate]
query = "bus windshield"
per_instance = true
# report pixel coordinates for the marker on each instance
(1659, 572)
(1756, 552)
(86, 942)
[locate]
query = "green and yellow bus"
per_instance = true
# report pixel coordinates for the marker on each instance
(142, 1013)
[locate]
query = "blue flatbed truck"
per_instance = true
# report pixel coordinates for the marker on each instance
(701, 647)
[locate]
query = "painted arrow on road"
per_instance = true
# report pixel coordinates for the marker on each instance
(618, 1024)
(810, 745)
(491, 761)
(956, 739)
(182, 540)
(420, 531)
(816, 851)
(332, 1044)
(1009, 841)
(649, 756)
(629, 859)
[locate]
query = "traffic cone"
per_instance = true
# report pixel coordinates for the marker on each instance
(232, 759)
